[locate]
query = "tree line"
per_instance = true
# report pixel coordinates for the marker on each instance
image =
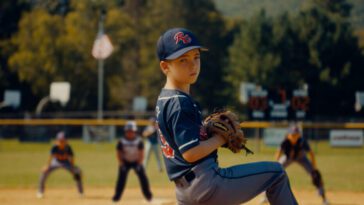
(46, 41)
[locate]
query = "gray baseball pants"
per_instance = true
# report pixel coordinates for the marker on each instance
(75, 171)
(306, 164)
(234, 185)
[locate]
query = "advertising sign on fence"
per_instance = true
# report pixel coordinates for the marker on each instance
(274, 136)
(346, 138)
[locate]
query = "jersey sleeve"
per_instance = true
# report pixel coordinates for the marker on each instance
(119, 146)
(140, 145)
(53, 150)
(149, 128)
(305, 145)
(185, 129)
(283, 145)
(70, 151)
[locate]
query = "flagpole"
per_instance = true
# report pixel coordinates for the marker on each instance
(101, 50)
(100, 72)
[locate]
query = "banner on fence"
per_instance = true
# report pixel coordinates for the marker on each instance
(274, 136)
(346, 138)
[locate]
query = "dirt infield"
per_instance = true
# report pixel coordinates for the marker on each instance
(101, 196)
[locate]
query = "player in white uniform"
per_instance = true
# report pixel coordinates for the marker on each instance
(130, 155)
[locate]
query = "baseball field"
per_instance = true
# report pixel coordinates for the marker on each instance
(342, 170)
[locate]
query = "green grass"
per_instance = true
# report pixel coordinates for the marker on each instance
(20, 165)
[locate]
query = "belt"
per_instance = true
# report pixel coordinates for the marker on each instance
(185, 179)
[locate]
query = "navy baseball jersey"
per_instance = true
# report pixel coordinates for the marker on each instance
(179, 127)
(297, 150)
(61, 155)
(130, 148)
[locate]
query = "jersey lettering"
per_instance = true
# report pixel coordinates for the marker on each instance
(61, 157)
(167, 150)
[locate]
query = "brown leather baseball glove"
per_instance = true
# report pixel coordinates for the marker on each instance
(226, 124)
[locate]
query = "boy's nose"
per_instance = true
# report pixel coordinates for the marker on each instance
(194, 65)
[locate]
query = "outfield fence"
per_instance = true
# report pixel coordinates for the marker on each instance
(44, 130)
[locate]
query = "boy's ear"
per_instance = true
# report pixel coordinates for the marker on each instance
(164, 67)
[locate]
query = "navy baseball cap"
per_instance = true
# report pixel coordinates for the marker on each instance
(175, 42)
(294, 129)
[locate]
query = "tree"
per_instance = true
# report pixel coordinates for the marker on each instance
(54, 7)
(334, 56)
(52, 47)
(316, 47)
(56, 48)
(10, 14)
(252, 57)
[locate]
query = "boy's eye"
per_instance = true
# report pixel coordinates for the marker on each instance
(197, 57)
(182, 60)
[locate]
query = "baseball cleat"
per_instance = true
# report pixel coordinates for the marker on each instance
(325, 202)
(114, 200)
(40, 195)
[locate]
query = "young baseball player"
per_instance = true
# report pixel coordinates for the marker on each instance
(295, 149)
(190, 161)
(150, 132)
(130, 154)
(61, 156)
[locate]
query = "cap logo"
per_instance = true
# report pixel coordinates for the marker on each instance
(180, 36)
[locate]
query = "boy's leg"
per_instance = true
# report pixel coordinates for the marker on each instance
(241, 183)
(139, 170)
(77, 175)
(43, 177)
(285, 163)
(121, 181)
(155, 148)
(147, 153)
(307, 165)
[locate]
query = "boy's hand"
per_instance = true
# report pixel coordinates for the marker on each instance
(226, 124)
(45, 168)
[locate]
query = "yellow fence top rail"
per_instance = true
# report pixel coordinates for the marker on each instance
(142, 122)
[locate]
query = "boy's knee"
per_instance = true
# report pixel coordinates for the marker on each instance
(280, 167)
(77, 170)
(276, 166)
(77, 176)
(45, 169)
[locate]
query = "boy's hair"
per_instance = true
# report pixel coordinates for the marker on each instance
(175, 42)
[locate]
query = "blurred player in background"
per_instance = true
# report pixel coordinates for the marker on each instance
(150, 132)
(61, 156)
(130, 155)
(295, 149)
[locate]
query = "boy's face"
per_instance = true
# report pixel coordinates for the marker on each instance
(130, 134)
(61, 143)
(293, 137)
(183, 70)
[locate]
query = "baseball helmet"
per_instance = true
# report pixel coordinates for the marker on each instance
(130, 125)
